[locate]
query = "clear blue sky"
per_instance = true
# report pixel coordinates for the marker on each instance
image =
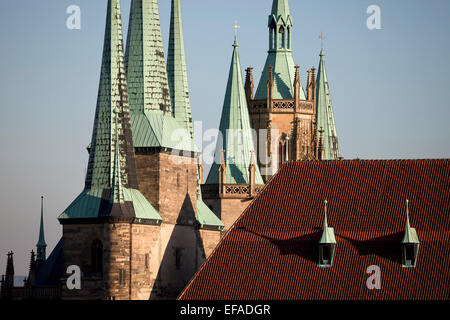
(389, 87)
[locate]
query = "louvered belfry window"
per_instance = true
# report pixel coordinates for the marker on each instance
(97, 257)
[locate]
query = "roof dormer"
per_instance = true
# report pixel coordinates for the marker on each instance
(327, 244)
(410, 243)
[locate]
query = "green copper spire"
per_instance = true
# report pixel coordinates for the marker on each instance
(177, 71)
(325, 116)
(236, 131)
(144, 59)
(41, 245)
(280, 55)
(152, 120)
(111, 187)
(280, 9)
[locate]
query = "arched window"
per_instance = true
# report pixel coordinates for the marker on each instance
(97, 257)
(273, 35)
(282, 38)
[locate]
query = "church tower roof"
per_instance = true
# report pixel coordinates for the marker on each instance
(152, 117)
(235, 131)
(280, 9)
(144, 59)
(279, 55)
(177, 71)
(325, 115)
(111, 180)
(41, 245)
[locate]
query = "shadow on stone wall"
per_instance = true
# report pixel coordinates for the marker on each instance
(182, 258)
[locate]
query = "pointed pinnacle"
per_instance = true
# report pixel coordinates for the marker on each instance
(325, 223)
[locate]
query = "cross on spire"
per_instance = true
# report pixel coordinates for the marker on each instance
(322, 38)
(236, 27)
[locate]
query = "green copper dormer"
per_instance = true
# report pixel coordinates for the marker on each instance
(177, 71)
(327, 243)
(410, 243)
(152, 120)
(111, 187)
(279, 55)
(235, 132)
(325, 115)
(41, 245)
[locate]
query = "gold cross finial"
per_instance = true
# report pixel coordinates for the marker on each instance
(236, 27)
(322, 37)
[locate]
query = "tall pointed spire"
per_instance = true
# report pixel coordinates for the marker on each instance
(235, 130)
(41, 245)
(152, 117)
(145, 63)
(111, 180)
(9, 278)
(325, 115)
(280, 55)
(177, 71)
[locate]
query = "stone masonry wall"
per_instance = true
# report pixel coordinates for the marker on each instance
(169, 183)
(228, 210)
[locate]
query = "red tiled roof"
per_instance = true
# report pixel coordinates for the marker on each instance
(271, 252)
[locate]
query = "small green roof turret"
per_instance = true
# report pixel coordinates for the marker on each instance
(111, 186)
(325, 115)
(328, 236)
(235, 131)
(410, 243)
(410, 236)
(41, 245)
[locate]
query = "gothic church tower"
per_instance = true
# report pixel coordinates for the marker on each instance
(135, 231)
(283, 114)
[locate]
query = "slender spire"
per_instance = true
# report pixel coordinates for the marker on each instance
(9, 279)
(31, 270)
(111, 188)
(177, 71)
(152, 116)
(41, 245)
(280, 55)
(235, 131)
(181, 104)
(147, 78)
(112, 94)
(325, 222)
(325, 115)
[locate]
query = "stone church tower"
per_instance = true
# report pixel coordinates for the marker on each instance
(139, 229)
(284, 116)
